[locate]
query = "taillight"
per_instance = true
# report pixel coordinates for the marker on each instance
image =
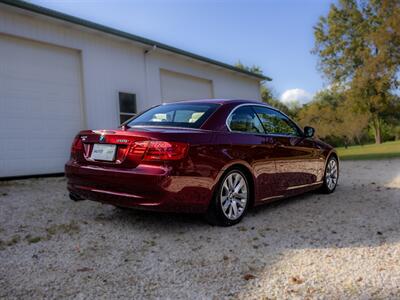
(77, 146)
(158, 150)
(138, 149)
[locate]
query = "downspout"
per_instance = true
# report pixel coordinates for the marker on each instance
(147, 52)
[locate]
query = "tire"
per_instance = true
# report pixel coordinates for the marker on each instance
(331, 175)
(231, 200)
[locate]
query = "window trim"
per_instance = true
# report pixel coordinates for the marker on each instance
(217, 107)
(245, 132)
(265, 133)
(296, 127)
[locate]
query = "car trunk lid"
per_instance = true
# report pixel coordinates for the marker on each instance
(111, 148)
(127, 146)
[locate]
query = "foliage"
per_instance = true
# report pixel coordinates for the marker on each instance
(334, 118)
(253, 69)
(267, 93)
(268, 96)
(358, 45)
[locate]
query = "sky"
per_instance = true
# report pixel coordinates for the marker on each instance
(276, 35)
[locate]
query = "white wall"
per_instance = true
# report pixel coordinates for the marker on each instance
(226, 84)
(178, 87)
(111, 64)
(108, 65)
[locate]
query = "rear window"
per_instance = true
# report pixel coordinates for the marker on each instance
(175, 115)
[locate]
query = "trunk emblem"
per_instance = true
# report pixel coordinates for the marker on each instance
(102, 139)
(122, 141)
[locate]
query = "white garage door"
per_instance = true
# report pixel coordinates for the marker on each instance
(178, 86)
(40, 106)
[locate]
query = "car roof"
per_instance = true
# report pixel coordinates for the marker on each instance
(224, 101)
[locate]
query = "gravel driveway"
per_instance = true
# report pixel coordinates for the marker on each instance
(343, 245)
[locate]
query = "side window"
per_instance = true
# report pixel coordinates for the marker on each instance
(276, 123)
(127, 106)
(244, 119)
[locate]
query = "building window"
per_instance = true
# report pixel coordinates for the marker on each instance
(127, 106)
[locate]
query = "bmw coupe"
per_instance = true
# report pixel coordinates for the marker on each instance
(216, 157)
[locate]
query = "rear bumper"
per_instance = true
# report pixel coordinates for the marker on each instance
(145, 187)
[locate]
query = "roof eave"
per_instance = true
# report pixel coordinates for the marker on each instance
(92, 25)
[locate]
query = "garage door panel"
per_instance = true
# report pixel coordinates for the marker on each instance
(179, 86)
(22, 148)
(52, 61)
(40, 106)
(60, 111)
(41, 165)
(35, 129)
(32, 88)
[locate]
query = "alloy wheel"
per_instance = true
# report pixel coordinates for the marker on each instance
(234, 196)
(331, 174)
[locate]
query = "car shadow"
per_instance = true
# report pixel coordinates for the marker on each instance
(360, 213)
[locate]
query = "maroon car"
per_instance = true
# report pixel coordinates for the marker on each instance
(217, 157)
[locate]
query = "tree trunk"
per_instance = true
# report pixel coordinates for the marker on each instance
(358, 139)
(377, 130)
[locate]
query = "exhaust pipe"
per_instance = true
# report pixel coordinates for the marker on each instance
(75, 197)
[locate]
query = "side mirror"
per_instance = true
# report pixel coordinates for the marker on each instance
(309, 131)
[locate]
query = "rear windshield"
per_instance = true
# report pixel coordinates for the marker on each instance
(175, 115)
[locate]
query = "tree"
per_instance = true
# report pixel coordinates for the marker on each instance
(358, 44)
(334, 118)
(352, 124)
(268, 95)
(253, 69)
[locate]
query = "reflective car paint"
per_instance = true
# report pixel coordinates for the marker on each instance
(277, 166)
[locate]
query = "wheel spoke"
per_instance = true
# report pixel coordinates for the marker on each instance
(225, 187)
(231, 186)
(240, 195)
(235, 209)
(228, 182)
(230, 212)
(239, 185)
(240, 203)
(226, 205)
(235, 179)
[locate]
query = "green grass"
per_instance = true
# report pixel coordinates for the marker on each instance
(372, 151)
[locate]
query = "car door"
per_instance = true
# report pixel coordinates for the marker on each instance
(248, 140)
(295, 155)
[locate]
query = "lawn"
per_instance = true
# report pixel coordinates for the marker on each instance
(372, 151)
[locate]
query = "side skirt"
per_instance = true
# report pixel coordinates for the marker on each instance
(291, 191)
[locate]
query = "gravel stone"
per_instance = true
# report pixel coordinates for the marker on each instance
(345, 245)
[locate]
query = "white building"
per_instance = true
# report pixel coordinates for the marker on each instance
(60, 74)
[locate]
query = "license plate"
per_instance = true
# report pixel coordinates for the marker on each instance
(103, 152)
